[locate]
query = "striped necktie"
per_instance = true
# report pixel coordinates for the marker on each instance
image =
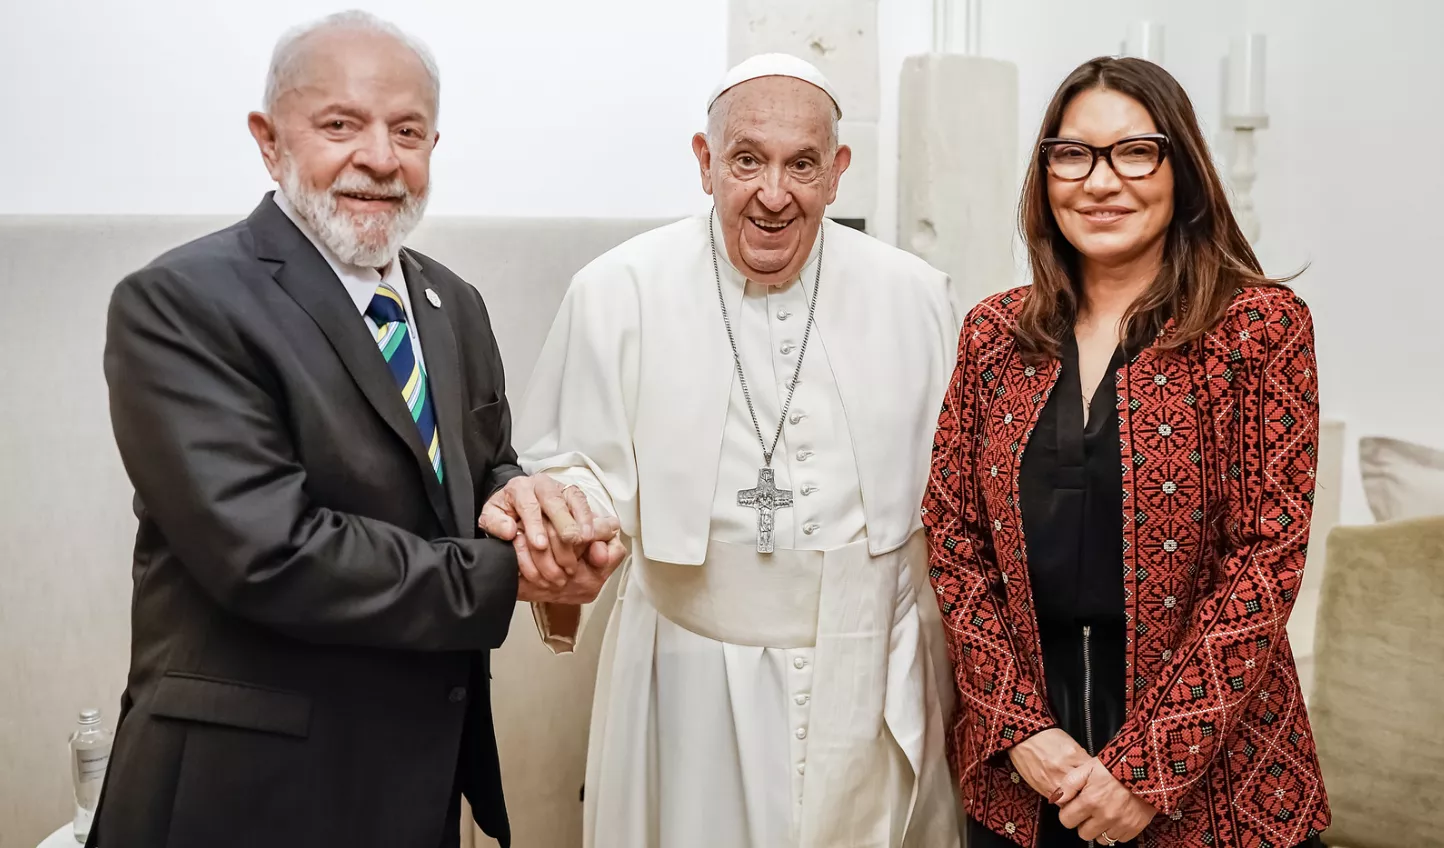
(390, 317)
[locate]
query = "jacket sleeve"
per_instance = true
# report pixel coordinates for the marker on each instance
(996, 685)
(202, 436)
(1191, 713)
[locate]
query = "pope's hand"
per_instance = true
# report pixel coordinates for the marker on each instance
(559, 537)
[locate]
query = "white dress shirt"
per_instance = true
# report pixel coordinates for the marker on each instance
(361, 283)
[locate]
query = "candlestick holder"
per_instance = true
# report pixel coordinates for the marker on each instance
(1242, 170)
(1244, 114)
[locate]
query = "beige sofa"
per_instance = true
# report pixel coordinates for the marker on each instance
(1378, 699)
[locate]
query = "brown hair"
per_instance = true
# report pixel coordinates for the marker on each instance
(1205, 256)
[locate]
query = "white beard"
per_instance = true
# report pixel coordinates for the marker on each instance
(368, 241)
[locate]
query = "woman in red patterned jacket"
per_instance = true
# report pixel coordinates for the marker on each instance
(1119, 503)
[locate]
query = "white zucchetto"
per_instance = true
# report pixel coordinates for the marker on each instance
(774, 65)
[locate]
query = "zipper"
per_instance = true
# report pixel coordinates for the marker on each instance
(1088, 696)
(1088, 689)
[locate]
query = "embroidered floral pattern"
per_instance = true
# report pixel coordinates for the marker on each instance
(1218, 444)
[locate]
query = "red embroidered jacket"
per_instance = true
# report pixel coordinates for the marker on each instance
(1218, 446)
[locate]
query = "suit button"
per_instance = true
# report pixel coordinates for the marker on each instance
(457, 695)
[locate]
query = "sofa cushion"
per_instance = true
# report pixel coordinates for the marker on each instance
(1401, 479)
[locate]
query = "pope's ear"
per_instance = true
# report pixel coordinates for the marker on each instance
(703, 151)
(840, 161)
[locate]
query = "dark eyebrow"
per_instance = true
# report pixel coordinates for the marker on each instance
(1135, 137)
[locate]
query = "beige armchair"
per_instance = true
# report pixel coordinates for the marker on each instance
(1378, 698)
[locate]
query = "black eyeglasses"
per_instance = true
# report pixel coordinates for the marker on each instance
(1132, 158)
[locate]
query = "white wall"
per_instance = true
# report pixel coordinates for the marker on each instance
(1047, 39)
(1350, 178)
(564, 107)
(580, 107)
(1351, 181)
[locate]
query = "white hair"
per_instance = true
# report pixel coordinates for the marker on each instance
(290, 53)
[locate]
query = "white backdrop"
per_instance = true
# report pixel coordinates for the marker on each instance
(585, 108)
(572, 107)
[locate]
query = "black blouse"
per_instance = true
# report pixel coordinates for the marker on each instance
(1071, 486)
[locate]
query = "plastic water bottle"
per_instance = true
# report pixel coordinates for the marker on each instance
(89, 756)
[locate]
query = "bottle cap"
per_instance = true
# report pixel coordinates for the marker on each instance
(90, 716)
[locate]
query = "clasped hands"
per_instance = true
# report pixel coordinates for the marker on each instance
(1090, 799)
(564, 553)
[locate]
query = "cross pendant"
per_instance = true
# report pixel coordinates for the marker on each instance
(766, 498)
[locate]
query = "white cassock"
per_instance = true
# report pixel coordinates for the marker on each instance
(745, 699)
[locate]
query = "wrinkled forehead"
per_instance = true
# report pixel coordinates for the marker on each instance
(777, 109)
(360, 68)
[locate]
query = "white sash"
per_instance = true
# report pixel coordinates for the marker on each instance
(869, 692)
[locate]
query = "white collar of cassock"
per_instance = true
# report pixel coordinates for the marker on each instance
(731, 275)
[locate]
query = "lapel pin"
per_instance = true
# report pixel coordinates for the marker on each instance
(431, 296)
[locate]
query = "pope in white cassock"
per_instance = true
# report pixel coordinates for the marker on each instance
(752, 393)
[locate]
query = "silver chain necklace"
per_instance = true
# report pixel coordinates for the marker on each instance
(766, 498)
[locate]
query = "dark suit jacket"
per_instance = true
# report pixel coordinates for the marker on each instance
(312, 611)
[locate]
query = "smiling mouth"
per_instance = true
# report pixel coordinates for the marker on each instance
(371, 198)
(770, 227)
(1104, 216)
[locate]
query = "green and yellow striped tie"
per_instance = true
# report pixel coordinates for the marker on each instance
(387, 311)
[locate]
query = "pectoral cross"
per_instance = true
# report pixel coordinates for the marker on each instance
(766, 498)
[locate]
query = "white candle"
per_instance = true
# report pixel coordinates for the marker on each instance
(948, 20)
(1245, 92)
(942, 26)
(1145, 41)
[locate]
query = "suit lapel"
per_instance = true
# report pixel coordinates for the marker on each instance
(309, 280)
(444, 382)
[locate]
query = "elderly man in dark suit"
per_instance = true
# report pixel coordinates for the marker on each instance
(313, 418)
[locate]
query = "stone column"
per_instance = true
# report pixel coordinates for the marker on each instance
(958, 178)
(840, 38)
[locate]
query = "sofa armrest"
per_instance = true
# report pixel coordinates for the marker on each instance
(1379, 681)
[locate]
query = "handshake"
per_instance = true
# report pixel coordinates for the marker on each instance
(564, 553)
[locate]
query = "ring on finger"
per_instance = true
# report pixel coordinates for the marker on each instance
(1105, 839)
